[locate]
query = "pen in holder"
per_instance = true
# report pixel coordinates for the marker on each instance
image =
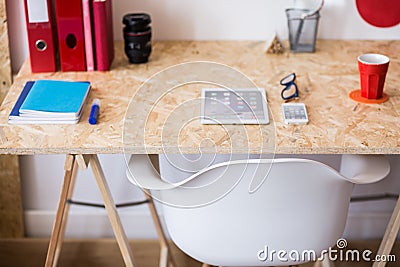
(302, 30)
(303, 25)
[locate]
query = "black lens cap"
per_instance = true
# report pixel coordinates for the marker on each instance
(136, 19)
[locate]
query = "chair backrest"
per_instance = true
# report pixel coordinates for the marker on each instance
(227, 220)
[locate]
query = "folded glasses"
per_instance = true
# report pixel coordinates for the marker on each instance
(290, 91)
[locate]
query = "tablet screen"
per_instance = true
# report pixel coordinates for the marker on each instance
(234, 106)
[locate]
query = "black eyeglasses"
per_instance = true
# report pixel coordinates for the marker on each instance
(290, 91)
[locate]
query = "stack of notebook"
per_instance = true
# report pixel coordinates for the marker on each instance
(50, 102)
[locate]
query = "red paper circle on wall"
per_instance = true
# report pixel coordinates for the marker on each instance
(380, 13)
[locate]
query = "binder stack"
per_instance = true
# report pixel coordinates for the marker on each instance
(78, 36)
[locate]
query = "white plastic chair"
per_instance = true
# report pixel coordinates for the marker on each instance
(231, 213)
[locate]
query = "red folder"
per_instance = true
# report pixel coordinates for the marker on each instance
(41, 37)
(88, 33)
(70, 35)
(103, 32)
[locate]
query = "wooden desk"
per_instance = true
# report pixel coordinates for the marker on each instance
(337, 124)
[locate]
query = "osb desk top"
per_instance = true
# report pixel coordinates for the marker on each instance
(337, 124)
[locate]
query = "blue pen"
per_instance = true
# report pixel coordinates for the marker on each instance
(94, 111)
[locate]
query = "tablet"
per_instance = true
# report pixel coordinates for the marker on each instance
(234, 106)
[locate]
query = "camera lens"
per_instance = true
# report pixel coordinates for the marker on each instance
(137, 36)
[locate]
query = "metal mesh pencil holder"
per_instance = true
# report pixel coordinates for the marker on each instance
(303, 29)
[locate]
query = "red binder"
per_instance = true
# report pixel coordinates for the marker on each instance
(88, 33)
(41, 39)
(70, 35)
(103, 32)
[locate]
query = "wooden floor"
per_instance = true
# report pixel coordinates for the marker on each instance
(83, 253)
(29, 252)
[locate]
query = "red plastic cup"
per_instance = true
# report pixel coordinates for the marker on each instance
(373, 69)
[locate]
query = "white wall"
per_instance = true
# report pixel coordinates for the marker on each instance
(176, 19)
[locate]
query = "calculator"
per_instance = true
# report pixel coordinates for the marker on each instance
(294, 113)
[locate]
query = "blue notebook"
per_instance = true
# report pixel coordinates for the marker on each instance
(50, 102)
(55, 98)
(15, 111)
